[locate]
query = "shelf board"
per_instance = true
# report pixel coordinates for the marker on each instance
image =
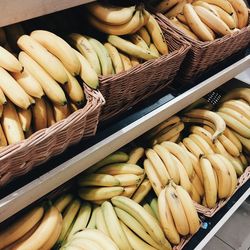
(15, 11)
(112, 139)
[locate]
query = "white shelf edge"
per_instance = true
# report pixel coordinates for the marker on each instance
(223, 220)
(31, 192)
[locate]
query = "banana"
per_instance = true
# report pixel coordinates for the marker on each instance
(43, 232)
(166, 157)
(84, 244)
(165, 5)
(45, 59)
(154, 207)
(137, 40)
(110, 14)
(159, 166)
(39, 114)
(134, 61)
(130, 48)
(11, 124)
(50, 87)
(121, 168)
(147, 207)
(92, 221)
(153, 177)
(209, 182)
(101, 193)
(127, 65)
(238, 106)
(184, 28)
(22, 226)
(73, 107)
(145, 35)
(184, 179)
(199, 121)
(117, 157)
(177, 9)
(157, 35)
(244, 141)
(9, 62)
(242, 12)
(166, 219)
(128, 179)
(224, 4)
(195, 23)
(236, 125)
(236, 115)
(168, 133)
(129, 191)
(146, 220)
(243, 160)
(115, 57)
(213, 117)
(114, 228)
(74, 90)
(237, 93)
(97, 236)
(231, 171)
(198, 185)
(189, 209)
(224, 179)
(104, 180)
(123, 29)
(50, 115)
(2, 98)
(193, 147)
(135, 155)
(87, 49)
(63, 201)
(225, 17)
(231, 136)
(142, 191)
(182, 19)
(101, 225)
(177, 211)
(154, 50)
(195, 195)
(3, 141)
(181, 154)
(87, 73)
(61, 112)
(25, 117)
(207, 6)
(200, 142)
(175, 138)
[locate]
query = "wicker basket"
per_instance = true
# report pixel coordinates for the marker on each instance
(210, 212)
(204, 55)
(20, 158)
(126, 89)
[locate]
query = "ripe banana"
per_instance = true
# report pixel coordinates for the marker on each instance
(59, 48)
(209, 182)
(128, 179)
(166, 219)
(50, 115)
(244, 141)
(165, 5)
(104, 180)
(237, 93)
(127, 65)
(154, 208)
(129, 191)
(115, 57)
(159, 166)
(135, 155)
(3, 141)
(235, 125)
(121, 168)
(39, 114)
(101, 225)
(50, 87)
(207, 6)
(195, 23)
(195, 195)
(142, 191)
(157, 35)
(154, 50)
(92, 220)
(87, 73)
(198, 185)
(193, 147)
(145, 35)
(166, 157)
(200, 142)
(83, 244)
(23, 225)
(213, 117)
(147, 207)
(242, 12)
(153, 177)
(2, 98)
(110, 14)
(148, 222)
(25, 118)
(175, 138)
(231, 136)
(9, 62)
(44, 58)
(101, 193)
(224, 4)
(189, 209)
(137, 40)
(63, 201)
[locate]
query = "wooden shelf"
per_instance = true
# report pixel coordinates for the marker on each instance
(15, 11)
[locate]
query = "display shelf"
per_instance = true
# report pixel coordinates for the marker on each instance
(111, 139)
(15, 11)
(212, 225)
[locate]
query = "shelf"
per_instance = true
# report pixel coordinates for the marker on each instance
(15, 11)
(111, 139)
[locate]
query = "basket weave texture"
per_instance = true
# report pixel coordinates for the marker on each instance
(210, 212)
(20, 158)
(204, 55)
(124, 90)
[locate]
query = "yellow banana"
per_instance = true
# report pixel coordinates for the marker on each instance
(128, 179)
(193, 147)
(243, 160)
(244, 141)
(45, 59)
(121, 168)
(142, 191)
(205, 147)
(154, 208)
(61, 112)
(195, 195)
(224, 4)
(50, 114)
(145, 35)
(165, 5)
(129, 191)
(3, 141)
(147, 207)
(198, 185)
(237, 93)
(182, 19)
(127, 65)
(50, 87)
(207, 6)
(63, 201)
(135, 155)
(92, 221)
(154, 50)
(134, 61)
(231, 136)
(39, 114)
(2, 98)
(83, 244)
(25, 118)
(101, 225)
(137, 40)
(177, 9)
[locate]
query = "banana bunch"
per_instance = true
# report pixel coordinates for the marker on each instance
(115, 175)
(205, 20)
